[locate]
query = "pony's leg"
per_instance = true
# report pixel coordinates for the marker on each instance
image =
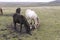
(38, 22)
(28, 31)
(15, 26)
(35, 23)
(20, 27)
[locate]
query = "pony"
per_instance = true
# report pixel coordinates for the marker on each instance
(1, 12)
(20, 19)
(32, 16)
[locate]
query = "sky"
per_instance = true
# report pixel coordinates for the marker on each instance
(26, 0)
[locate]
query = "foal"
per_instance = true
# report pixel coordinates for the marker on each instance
(17, 18)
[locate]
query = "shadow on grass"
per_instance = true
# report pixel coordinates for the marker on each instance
(12, 30)
(12, 33)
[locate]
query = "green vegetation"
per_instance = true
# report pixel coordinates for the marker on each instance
(49, 28)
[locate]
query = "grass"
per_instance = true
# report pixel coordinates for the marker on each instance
(49, 29)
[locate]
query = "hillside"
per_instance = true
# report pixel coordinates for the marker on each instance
(29, 4)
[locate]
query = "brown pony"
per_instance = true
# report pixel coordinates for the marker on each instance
(1, 12)
(20, 19)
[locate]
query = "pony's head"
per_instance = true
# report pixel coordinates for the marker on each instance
(32, 27)
(18, 10)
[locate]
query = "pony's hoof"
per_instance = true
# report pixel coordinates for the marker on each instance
(29, 33)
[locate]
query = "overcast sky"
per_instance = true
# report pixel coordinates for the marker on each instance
(26, 0)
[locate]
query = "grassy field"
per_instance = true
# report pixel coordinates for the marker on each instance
(49, 28)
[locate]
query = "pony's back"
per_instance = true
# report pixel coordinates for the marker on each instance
(30, 13)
